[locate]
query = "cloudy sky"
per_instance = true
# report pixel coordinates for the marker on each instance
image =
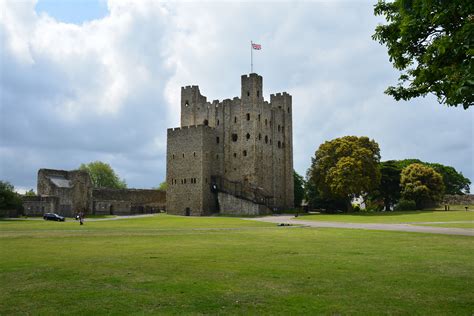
(90, 80)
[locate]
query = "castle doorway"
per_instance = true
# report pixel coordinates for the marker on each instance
(206, 122)
(111, 210)
(187, 211)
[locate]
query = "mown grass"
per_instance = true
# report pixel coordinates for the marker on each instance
(394, 217)
(178, 265)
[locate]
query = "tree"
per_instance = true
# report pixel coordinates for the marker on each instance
(431, 43)
(163, 186)
(454, 181)
(30, 192)
(389, 188)
(9, 199)
(299, 185)
(103, 176)
(345, 168)
(421, 184)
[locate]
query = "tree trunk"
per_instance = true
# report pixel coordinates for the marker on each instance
(349, 205)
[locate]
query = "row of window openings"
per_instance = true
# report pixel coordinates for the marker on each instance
(280, 128)
(235, 138)
(185, 180)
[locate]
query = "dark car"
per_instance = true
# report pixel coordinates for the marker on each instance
(53, 217)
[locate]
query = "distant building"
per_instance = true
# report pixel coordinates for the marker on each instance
(69, 192)
(231, 157)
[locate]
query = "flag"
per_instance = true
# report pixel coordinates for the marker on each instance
(256, 46)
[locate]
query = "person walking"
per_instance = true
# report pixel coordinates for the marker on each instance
(81, 218)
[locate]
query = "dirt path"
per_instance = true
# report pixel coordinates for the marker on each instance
(370, 226)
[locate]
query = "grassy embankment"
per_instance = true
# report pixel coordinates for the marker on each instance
(176, 265)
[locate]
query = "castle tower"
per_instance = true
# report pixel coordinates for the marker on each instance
(246, 142)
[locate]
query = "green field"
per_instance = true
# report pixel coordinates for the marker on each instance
(394, 217)
(177, 265)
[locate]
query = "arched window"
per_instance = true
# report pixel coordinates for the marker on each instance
(186, 103)
(247, 136)
(183, 155)
(206, 122)
(234, 137)
(194, 154)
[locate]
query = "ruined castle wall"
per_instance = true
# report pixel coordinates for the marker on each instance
(189, 152)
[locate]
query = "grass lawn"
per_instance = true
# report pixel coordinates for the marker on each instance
(394, 217)
(181, 265)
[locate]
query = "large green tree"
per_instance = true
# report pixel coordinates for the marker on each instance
(432, 43)
(103, 176)
(299, 185)
(9, 199)
(421, 184)
(345, 168)
(389, 189)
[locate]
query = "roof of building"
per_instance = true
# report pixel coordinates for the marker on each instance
(60, 182)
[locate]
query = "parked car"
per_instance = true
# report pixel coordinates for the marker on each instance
(53, 217)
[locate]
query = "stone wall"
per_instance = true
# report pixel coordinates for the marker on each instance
(465, 199)
(127, 201)
(231, 205)
(39, 205)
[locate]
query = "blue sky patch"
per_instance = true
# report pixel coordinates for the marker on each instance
(73, 11)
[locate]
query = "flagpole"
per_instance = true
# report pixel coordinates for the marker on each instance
(251, 57)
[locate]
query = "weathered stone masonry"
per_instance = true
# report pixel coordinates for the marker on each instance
(244, 141)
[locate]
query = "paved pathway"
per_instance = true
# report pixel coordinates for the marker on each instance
(370, 226)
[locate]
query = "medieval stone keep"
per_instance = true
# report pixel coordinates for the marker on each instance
(231, 157)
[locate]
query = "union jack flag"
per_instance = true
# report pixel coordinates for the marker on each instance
(256, 46)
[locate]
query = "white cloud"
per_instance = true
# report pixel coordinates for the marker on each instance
(108, 89)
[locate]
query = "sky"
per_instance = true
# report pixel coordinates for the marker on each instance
(87, 80)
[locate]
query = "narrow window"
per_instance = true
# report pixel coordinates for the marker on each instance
(194, 154)
(217, 156)
(186, 103)
(266, 122)
(247, 136)
(234, 137)
(259, 117)
(248, 93)
(278, 127)
(173, 156)
(206, 122)
(235, 155)
(258, 93)
(245, 153)
(248, 116)
(259, 136)
(218, 122)
(184, 181)
(183, 155)
(217, 139)
(266, 139)
(288, 110)
(279, 144)
(283, 129)
(235, 119)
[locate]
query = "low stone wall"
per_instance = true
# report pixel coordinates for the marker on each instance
(231, 205)
(465, 199)
(127, 201)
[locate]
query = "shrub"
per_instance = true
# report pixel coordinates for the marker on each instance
(405, 205)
